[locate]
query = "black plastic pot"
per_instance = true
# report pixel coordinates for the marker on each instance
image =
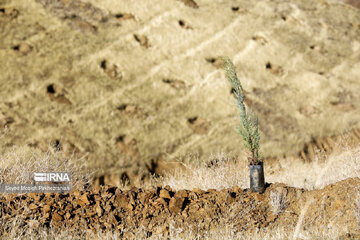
(257, 179)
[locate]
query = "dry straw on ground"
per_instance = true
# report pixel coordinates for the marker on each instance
(18, 165)
(277, 201)
(218, 173)
(15, 229)
(223, 171)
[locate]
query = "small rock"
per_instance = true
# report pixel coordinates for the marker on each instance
(25, 48)
(175, 204)
(98, 210)
(161, 201)
(164, 194)
(198, 191)
(259, 197)
(130, 109)
(56, 217)
(236, 189)
(211, 191)
(33, 206)
(122, 201)
(124, 16)
(181, 193)
(85, 199)
(33, 224)
(142, 40)
(46, 208)
(76, 194)
(34, 196)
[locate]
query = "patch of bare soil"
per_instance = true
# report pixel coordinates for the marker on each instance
(199, 211)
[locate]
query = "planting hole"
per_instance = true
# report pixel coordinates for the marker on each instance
(185, 203)
(124, 16)
(183, 24)
(198, 125)
(120, 138)
(127, 108)
(268, 65)
(50, 89)
(122, 107)
(110, 70)
(9, 12)
(55, 93)
(274, 69)
(178, 84)
(314, 47)
(119, 15)
(210, 60)
(124, 177)
(57, 145)
(16, 48)
(192, 120)
(23, 48)
(235, 9)
(137, 37)
(101, 180)
(166, 81)
(259, 39)
(190, 3)
(142, 40)
(103, 64)
(216, 62)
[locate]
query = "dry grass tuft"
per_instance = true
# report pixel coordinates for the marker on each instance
(16, 229)
(277, 202)
(18, 165)
(219, 172)
(222, 171)
(325, 169)
(357, 207)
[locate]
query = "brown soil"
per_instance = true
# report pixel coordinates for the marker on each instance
(113, 209)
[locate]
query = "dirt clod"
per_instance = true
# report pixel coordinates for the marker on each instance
(142, 40)
(190, 3)
(164, 194)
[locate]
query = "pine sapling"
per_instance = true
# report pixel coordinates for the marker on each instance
(248, 128)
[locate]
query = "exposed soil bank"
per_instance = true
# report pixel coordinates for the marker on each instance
(110, 208)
